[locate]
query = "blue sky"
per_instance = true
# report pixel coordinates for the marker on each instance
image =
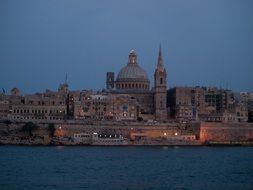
(205, 42)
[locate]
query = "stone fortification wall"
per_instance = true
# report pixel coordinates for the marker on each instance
(67, 129)
(150, 131)
(211, 131)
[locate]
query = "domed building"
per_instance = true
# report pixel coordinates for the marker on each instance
(133, 81)
(132, 76)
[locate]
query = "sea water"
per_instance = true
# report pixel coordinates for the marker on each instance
(84, 167)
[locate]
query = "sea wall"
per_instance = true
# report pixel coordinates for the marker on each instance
(149, 131)
(204, 131)
(211, 131)
(133, 131)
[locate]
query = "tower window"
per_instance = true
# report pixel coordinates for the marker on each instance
(161, 80)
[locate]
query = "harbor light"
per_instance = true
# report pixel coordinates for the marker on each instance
(164, 134)
(176, 133)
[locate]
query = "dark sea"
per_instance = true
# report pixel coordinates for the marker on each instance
(25, 167)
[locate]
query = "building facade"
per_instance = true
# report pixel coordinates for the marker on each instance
(188, 104)
(129, 96)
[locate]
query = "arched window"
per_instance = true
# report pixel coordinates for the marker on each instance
(161, 80)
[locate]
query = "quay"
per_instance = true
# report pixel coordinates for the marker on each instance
(128, 134)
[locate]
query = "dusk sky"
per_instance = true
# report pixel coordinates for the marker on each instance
(204, 42)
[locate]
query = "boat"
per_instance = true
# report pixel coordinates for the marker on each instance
(82, 138)
(108, 140)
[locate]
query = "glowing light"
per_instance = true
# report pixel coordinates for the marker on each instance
(164, 134)
(176, 133)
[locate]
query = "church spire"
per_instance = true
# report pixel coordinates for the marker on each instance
(160, 59)
(160, 96)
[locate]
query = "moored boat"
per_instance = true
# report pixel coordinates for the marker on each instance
(108, 140)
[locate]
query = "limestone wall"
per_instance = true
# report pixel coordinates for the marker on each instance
(226, 131)
(126, 131)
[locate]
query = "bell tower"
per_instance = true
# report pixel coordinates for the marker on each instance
(160, 95)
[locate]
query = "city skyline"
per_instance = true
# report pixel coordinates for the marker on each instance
(204, 43)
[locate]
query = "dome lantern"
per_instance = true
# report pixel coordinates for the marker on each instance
(132, 57)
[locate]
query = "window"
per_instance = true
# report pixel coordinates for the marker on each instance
(161, 80)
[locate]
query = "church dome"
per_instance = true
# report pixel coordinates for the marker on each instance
(132, 71)
(132, 76)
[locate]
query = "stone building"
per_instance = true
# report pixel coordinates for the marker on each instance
(102, 106)
(160, 93)
(205, 104)
(48, 106)
(129, 96)
(4, 105)
(133, 81)
(247, 98)
(132, 77)
(180, 104)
